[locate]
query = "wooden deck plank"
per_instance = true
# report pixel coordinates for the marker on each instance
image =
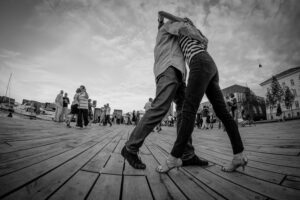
(119, 146)
(42, 187)
(291, 184)
(108, 186)
(98, 162)
(19, 178)
(77, 187)
(71, 167)
(42, 153)
(223, 161)
(114, 165)
(271, 190)
(226, 188)
(187, 186)
(136, 187)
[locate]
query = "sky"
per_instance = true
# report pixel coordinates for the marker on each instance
(107, 45)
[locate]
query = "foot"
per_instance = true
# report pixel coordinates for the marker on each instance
(170, 163)
(194, 161)
(239, 160)
(133, 159)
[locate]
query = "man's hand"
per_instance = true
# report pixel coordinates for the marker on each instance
(160, 18)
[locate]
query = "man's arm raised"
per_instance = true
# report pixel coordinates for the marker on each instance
(170, 16)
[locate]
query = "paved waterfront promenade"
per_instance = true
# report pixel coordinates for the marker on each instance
(45, 160)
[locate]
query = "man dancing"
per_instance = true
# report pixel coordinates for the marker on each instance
(170, 74)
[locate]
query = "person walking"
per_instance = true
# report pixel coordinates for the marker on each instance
(90, 110)
(107, 115)
(83, 107)
(234, 108)
(133, 118)
(170, 75)
(203, 79)
(59, 106)
(205, 113)
(66, 102)
(74, 108)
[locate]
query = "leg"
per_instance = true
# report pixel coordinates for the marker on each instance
(79, 120)
(85, 116)
(189, 151)
(166, 86)
(202, 69)
(216, 98)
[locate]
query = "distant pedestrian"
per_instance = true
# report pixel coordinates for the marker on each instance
(102, 116)
(66, 102)
(148, 104)
(107, 115)
(83, 107)
(74, 108)
(234, 108)
(59, 106)
(90, 112)
(138, 115)
(133, 118)
(205, 112)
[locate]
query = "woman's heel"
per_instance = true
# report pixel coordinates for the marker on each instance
(169, 165)
(240, 161)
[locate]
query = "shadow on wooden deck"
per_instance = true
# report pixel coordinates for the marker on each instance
(45, 160)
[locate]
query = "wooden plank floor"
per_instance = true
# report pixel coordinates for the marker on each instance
(46, 160)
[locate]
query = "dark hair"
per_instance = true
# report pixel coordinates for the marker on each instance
(78, 90)
(82, 86)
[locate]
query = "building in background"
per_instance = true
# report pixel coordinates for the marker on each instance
(7, 100)
(253, 106)
(288, 78)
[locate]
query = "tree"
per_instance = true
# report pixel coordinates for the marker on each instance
(249, 102)
(270, 102)
(289, 98)
(276, 90)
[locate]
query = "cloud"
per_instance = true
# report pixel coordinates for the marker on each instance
(108, 45)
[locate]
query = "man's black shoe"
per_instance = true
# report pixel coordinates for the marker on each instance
(133, 159)
(194, 161)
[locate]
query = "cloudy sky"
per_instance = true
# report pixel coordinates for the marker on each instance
(107, 45)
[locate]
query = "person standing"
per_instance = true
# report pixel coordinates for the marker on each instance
(90, 110)
(66, 102)
(148, 104)
(138, 115)
(102, 116)
(170, 75)
(133, 118)
(205, 112)
(59, 106)
(74, 108)
(107, 115)
(203, 79)
(83, 107)
(234, 108)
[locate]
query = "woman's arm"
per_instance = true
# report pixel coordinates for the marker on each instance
(170, 16)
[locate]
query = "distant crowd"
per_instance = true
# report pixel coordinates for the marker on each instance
(81, 107)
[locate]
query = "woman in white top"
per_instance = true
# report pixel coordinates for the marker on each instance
(74, 108)
(83, 107)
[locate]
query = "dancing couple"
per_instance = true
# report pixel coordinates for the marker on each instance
(179, 41)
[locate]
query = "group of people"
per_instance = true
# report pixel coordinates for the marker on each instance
(104, 118)
(178, 43)
(205, 119)
(81, 107)
(61, 102)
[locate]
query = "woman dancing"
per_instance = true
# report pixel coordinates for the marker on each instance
(203, 79)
